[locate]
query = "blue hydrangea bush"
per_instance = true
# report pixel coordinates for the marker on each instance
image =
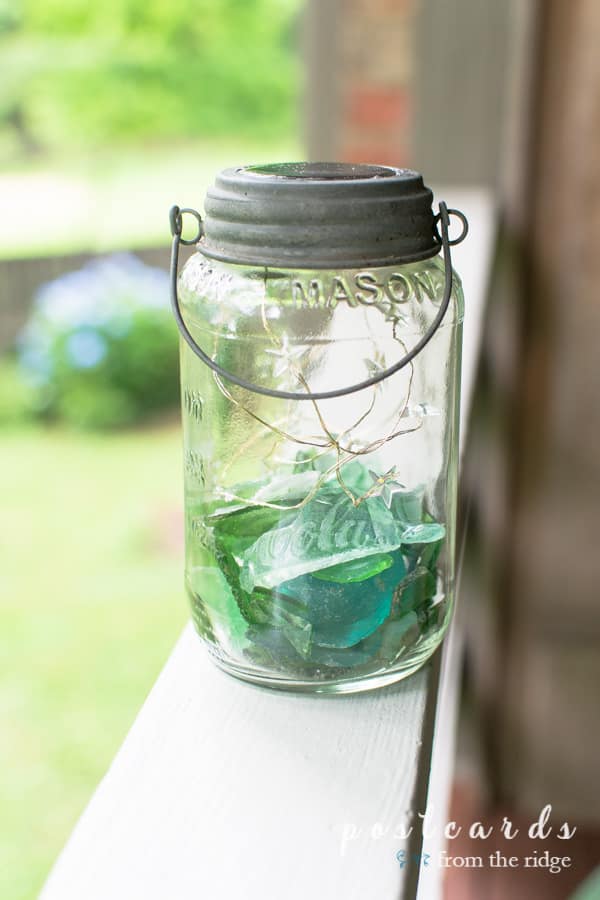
(100, 348)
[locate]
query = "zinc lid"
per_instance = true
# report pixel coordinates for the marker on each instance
(319, 215)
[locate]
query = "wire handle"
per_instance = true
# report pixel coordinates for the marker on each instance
(443, 218)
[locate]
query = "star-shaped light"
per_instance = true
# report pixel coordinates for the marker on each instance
(375, 366)
(286, 356)
(389, 488)
(396, 317)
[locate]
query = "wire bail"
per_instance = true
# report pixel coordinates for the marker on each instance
(442, 218)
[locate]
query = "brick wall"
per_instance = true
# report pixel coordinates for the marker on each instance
(361, 71)
(376, 61)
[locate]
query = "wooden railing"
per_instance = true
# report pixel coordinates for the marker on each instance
(223, 790)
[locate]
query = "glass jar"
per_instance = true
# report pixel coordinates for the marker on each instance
(320, 425)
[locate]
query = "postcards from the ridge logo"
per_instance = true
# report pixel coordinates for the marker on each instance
(496, 860)
(539, 829)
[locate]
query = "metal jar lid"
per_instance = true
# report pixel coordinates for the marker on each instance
(319, 216)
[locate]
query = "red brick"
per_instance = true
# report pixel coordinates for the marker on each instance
(378, 107)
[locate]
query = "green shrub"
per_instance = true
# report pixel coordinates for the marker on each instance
(100, 349)
(17, 397)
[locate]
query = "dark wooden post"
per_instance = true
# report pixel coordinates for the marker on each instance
(549, 701)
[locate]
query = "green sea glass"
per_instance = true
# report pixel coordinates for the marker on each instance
(344, 613)
(336, 580)
(327, 531)
(356, 569)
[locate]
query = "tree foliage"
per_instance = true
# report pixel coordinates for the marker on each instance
(92, 73)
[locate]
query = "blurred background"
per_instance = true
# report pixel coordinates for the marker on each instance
(111, 112)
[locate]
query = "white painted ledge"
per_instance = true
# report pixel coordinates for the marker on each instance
(223, 790)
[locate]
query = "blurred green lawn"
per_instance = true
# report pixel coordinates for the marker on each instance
(115, 198)
(92, 602)
(91, 575)
(91, 578)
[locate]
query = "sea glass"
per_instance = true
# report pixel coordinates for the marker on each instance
(327, 531)
(309, 575)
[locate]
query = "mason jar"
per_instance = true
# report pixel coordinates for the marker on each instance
(320, 380)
